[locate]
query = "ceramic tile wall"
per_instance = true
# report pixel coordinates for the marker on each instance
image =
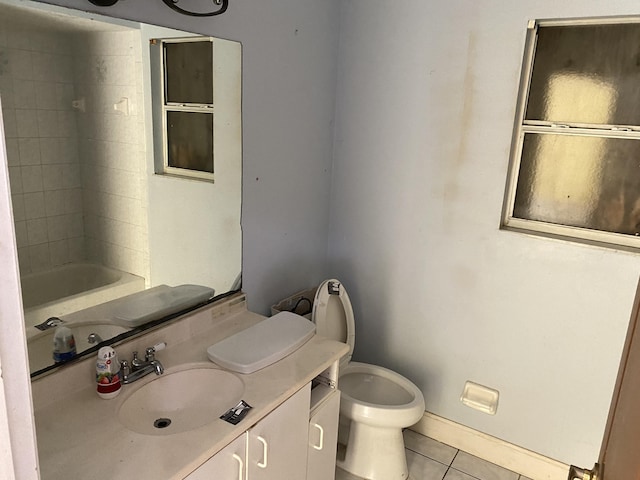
(36, 87)
(77, 178)
(108, 72)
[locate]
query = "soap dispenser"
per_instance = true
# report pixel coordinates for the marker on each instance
(64, 345)
(108, 373)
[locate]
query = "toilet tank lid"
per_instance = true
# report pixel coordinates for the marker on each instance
(263, 344)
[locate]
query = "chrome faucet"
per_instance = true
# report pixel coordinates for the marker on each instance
(138, 368)
(49, 323)
(94, 338)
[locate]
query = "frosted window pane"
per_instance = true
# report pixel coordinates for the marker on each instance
(586, 74)
(189, 72)
(580, 181)
(190, 140)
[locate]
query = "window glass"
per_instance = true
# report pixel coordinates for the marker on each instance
(581, 181)
(586, 74)
(190, 140)
(575, 159)
(189, 72)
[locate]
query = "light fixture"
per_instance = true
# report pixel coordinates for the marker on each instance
(173, 4)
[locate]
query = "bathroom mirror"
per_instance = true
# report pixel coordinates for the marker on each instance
(95, 218)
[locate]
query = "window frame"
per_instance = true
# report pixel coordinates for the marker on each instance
(201, 108)
(523, 126)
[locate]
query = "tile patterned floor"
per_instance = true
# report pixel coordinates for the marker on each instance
(431, 460)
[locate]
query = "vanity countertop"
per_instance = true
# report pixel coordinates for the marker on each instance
(80, 436)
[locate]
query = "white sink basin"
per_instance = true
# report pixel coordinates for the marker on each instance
(180, 401)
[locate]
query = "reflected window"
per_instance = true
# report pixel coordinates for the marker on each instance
(188, 107)
(575, 162)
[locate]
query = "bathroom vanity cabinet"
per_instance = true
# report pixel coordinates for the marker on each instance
(281, 437)
(277, 447)
(323, 433)
(273, 449)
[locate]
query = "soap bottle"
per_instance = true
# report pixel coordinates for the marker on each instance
(64, 345)
(108, 373)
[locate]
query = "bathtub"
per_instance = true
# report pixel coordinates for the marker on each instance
(73, 287)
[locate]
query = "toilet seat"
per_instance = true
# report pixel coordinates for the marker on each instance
(333, 315)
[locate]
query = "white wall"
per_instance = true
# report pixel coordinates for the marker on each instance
(424, 116)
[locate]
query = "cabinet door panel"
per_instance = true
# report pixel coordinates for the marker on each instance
(227, 464)
(323, 439)
(277, 445)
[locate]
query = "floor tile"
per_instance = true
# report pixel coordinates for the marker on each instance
(453, 474)
(429, 447)
(423, 468)
(481, 469)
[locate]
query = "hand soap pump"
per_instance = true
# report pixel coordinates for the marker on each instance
(64, 345)
(108, 373)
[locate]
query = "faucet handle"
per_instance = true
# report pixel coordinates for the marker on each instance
(124, 366)
(135, 361)
(151, 351)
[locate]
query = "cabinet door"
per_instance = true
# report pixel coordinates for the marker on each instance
(323, 439)
(277, 445)
(227, 464)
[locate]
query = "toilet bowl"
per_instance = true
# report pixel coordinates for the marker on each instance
(376, 403)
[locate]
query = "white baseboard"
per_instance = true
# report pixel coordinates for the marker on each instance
(494, 450)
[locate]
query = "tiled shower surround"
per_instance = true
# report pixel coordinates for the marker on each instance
(76, 164)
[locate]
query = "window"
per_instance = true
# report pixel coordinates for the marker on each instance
(188, 108)
(575, 159)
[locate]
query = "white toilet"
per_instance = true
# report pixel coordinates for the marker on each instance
(376, 403)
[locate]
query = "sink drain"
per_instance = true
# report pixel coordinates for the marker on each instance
(162, 423)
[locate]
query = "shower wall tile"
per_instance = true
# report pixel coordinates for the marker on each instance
(34, 206)
(53, 176)
(37, 231)
(46, 96)
(39, 257)
(110, 146)
(24, 263)
(54, 202)
(6, 82)
(59, 252)
(58, 228)
(17, 202)
(76, 248)
(29, 151)
(13, 152)
(27, 123)
(48, 123)
(36, 85)
(24, 94)
(15, 179)
(22, 239)
(10, 124)
(50, 151)
(77, 178)
(32, 179)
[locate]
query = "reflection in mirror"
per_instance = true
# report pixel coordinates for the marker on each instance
(94, 221)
